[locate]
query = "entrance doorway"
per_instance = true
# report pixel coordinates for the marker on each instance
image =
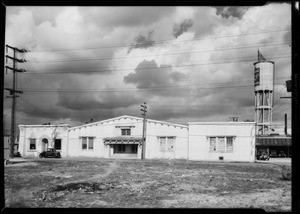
(125, 149)
(44, 144)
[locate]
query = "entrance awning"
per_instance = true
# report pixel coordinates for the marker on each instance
(273, 141)
(122, 140)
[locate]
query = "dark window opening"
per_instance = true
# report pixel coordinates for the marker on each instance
(134, 149)
(57, 144)
(32, 144)
(121, 148)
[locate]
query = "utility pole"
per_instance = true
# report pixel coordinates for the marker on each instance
(285, 124)
(144, 107)
(13, 91)
(288, 84)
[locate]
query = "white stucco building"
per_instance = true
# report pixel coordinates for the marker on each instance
(228, 141)
(37, 138)
(121, 137)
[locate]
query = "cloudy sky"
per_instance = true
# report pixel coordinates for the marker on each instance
(187, 63)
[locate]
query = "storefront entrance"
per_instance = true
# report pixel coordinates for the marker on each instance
(125, 149)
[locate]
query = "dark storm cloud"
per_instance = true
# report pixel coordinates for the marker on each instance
(226, 12)
(142, 42)
(190, 112)
(125, 16)
(179, 29)
(148, 74)
(177, 76)
(106, 100)
(43, 112)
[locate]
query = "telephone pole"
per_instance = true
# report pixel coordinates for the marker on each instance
(13, 91)
(144, 107)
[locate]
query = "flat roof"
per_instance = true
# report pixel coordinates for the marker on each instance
(221, 123)
(273, 141)
(62, 125)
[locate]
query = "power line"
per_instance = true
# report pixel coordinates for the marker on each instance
(115, 70)
(219, 84)
(165, 54)
(162, 41)
(127, 69)
(278, 114)
(278, 97)
(277, 107)
(130, 89)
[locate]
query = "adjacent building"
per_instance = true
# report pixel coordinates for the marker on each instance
(228, 141)
(121, 137)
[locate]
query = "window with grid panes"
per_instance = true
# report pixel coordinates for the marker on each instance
(166, 144)
(87, 143)
(125, 131)
(221, 144)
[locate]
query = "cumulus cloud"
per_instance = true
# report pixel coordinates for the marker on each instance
(148, 74)
(142, 41)
(226, 11)
(86, 49)
(179, 29)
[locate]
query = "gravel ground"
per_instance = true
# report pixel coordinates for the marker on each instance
(124, 183)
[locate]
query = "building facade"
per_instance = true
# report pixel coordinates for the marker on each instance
(121, 137)
(35, 139)
(227, 141)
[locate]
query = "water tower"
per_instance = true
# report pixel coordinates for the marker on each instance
(263, 89)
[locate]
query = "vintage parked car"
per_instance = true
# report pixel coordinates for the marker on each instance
(50, 153)
(17, 154)
(282, 154)
(262, 157)
(273, 154)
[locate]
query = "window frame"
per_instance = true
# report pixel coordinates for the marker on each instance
(87, 142)
(217, 144)
(55, 142)
(32, 143)
(127, 131)
(169, 143)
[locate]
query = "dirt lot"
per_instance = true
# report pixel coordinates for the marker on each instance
(127, 183)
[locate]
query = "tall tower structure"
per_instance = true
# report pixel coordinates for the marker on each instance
(263, 89)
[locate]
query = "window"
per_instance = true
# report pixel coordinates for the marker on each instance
(229, 145)
(57, 144)
(121, 148)
(87, 143)
(134, 149)
(126, 131)
(91, 143)
(213, 145)
(32, 144)
(166, 144)
(221, 144)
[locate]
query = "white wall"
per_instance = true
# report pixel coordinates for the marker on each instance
(243, 145)
(39, 132)
(155, 130)
(108, 128)
(100, 130)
